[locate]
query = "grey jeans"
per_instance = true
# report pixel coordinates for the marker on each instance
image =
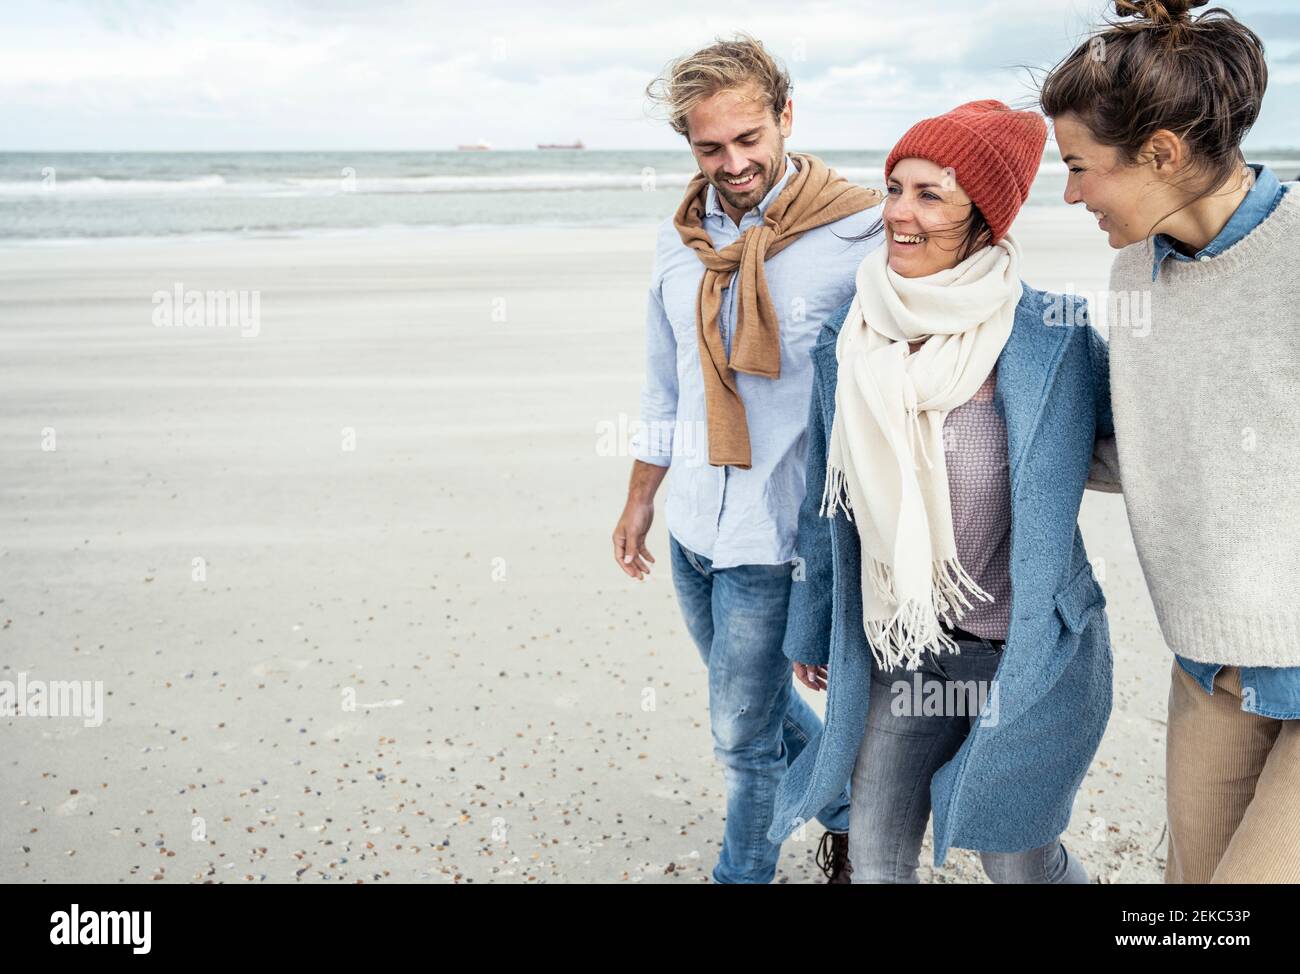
(905, 743)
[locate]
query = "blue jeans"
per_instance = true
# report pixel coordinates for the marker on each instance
(916, 721)
(736, 616)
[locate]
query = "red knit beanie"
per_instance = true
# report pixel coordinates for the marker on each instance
(994, 153)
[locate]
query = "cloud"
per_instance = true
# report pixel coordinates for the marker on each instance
(404, 74)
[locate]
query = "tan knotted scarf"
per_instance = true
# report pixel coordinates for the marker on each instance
(814, 196)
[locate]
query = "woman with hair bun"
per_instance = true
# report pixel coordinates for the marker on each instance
(1149, 115)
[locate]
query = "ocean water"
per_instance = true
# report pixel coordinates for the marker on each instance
(61, 196)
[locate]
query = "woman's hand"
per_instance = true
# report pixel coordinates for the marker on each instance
(813, 677)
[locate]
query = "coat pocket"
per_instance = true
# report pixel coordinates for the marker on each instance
(1039, 659)
(1080, 599)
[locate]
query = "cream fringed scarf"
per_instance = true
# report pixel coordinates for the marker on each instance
(886, 459)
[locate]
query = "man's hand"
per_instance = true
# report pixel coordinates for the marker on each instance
(629, 539)
(634, 525)
(813, 677)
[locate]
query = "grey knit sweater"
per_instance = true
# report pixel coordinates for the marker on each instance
(1207, 430)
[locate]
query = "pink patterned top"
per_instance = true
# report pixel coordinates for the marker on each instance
(979, 486)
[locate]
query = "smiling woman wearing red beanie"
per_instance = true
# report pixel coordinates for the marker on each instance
(951, 431)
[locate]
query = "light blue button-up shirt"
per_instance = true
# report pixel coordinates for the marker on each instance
(733, 516)
(1271, 691)
(1258, 203)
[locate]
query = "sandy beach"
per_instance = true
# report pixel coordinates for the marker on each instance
(347, 582)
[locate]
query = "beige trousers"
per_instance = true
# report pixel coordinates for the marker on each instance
(1233, 787)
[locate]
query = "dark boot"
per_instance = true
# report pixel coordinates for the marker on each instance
(833, 857)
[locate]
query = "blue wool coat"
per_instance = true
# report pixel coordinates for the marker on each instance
(1012, 783)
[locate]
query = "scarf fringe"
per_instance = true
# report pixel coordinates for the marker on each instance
(835, 494)
(911, 631)
(948, 581)
(914, 627)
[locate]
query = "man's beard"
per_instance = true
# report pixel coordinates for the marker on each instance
(749, 199)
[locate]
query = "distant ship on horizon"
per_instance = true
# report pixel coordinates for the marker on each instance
(482, 145)
(560, 145)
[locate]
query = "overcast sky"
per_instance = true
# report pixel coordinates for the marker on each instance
(388, 74)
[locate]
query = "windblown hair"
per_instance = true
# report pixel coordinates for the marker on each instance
(1156, 67)
(727, 65)
(972, 234)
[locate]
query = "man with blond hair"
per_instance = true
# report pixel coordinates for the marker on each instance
(760, 250)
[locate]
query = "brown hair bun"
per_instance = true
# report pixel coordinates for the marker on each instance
(1157, 13)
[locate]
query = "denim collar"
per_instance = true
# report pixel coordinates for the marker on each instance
(712, 207)
(1253, 209)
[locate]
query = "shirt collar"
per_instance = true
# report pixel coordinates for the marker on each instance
(712, 207)
(1257, 204)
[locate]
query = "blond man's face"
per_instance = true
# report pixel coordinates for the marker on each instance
(738, 145)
